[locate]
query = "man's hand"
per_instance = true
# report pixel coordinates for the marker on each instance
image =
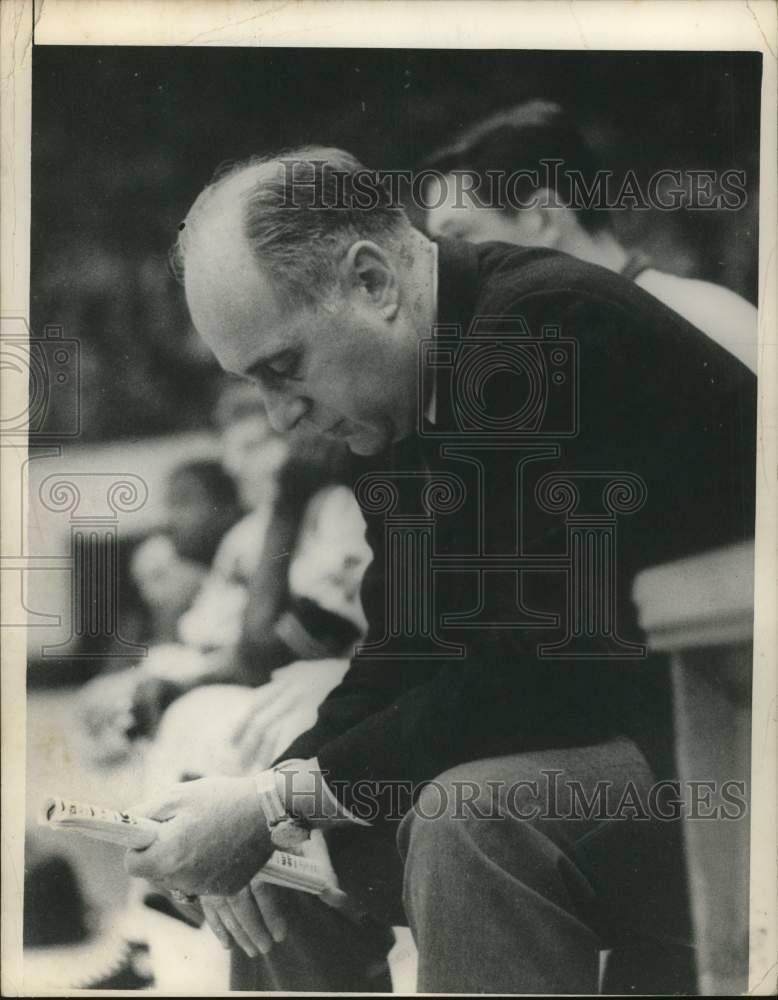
(212, 839)
(251, 918)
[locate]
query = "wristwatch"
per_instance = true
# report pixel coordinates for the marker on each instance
(286, 832)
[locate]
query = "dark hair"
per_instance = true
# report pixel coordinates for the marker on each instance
(300, 212)
(197, 536)
(219, 486)
(520, 138)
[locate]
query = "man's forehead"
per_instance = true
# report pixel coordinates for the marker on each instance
(233, 304)
(217, 247)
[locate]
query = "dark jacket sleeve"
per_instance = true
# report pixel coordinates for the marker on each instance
(501, 700)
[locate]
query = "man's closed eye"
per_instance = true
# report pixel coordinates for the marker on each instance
(281, 368)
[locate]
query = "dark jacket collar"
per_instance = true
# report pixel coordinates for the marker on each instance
(457, 283)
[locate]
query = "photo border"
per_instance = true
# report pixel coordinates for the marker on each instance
(712, 25)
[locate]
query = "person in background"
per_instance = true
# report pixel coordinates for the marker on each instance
(119, 707)
(303, 616)
(269, 633)
(253, 455)
(202, 505)
(283, 590)
(304, 601)
(166, 582)
(169, 566)
(521, 139)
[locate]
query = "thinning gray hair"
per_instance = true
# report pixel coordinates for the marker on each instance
(300, 210)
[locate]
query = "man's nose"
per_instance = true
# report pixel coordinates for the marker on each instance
(285, 411)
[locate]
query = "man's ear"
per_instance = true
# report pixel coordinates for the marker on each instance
(368, 273)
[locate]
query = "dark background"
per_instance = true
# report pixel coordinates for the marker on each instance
(124, 139)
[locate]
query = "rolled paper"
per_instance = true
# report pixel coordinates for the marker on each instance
(98, 822)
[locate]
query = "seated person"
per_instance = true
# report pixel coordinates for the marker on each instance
(505, 884)
(202, 504)
(166, 582)
(304, 599)
(168, 568)
(303, 616)
(284, 587)
(520, 138)
(126, 704)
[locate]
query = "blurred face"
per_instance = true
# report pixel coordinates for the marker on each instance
(196, 521)
(163, 578)
(456, 216)
(332, 553)
(189, 509)
(342, 553)
(251, 452)
(346, 369)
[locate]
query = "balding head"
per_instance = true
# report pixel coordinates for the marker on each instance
(314, 298)
(298, 213)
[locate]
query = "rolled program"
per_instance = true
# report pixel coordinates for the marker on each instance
(97, 822)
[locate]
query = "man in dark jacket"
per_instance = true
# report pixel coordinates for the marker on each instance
(531, 431)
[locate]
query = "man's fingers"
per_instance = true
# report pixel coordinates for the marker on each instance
(268, 902)
(233, 925)
(245, 911)
(214, 922)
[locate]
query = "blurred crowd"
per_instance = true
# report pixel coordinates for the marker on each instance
(250, 586)
(255, 574)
